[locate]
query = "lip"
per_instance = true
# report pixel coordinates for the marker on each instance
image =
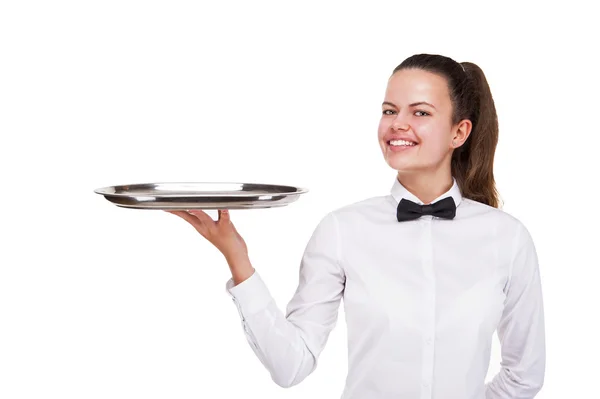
(397, 137)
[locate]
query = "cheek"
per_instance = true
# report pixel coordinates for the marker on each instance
(435, 135)
(434, 140)
(384, 126)
(435, 143)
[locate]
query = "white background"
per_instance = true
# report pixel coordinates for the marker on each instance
(98, 301)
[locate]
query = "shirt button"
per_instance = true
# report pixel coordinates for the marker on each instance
(428, 341)
(425, 384)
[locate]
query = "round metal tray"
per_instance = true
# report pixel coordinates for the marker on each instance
(201, 195)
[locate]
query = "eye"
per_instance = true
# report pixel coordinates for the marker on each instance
(426, 113)
(388, 112)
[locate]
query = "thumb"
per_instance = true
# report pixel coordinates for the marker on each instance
(224, 215)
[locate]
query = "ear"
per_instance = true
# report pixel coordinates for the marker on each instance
(461, 133)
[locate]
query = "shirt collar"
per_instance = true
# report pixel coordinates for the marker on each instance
(399, 191)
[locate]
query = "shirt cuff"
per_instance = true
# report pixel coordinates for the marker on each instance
(251, 295)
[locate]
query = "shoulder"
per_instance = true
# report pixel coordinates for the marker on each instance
(498, 219)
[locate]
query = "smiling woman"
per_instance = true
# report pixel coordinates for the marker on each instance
(428, 273)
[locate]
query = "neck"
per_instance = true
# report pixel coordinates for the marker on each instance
(426, 186)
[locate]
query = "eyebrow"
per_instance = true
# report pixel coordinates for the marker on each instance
(410, 105)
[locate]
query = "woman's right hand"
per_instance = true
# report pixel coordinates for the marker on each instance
(221, 233)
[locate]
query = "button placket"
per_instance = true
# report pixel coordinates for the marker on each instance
(429, 310)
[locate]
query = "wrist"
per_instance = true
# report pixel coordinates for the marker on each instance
(236, 261)
(240, 268)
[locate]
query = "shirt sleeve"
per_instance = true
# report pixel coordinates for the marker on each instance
(521, 327)
(289, 345)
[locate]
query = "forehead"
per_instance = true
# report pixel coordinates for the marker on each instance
(412, 85)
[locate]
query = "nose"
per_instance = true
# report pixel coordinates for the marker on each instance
(399, 124)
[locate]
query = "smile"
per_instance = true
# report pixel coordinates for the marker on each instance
(401, 143)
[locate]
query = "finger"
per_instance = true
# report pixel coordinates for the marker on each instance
(224, 216)
(191, 219)
(184, 215)
(202, 216)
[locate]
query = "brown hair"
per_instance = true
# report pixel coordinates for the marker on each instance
(472, 163)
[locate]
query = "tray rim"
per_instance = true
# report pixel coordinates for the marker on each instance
(298, 190)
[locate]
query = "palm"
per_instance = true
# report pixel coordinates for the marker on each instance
(221, 233)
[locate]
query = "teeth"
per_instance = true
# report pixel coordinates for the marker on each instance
(401, 142)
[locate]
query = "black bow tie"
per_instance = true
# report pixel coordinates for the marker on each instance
(408, 210)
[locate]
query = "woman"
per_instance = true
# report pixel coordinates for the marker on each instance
(427, 273)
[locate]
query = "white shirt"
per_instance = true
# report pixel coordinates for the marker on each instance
(422, 300)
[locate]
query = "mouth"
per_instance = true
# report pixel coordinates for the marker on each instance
(397, 145)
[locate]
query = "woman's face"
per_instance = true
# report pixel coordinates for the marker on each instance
(417, 109)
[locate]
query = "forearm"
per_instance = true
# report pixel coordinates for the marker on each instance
(279, 345)
(276, 341)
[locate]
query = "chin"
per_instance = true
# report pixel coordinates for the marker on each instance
(400, 163)
(405, 170)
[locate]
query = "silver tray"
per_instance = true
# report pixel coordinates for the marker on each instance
(203, 195)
